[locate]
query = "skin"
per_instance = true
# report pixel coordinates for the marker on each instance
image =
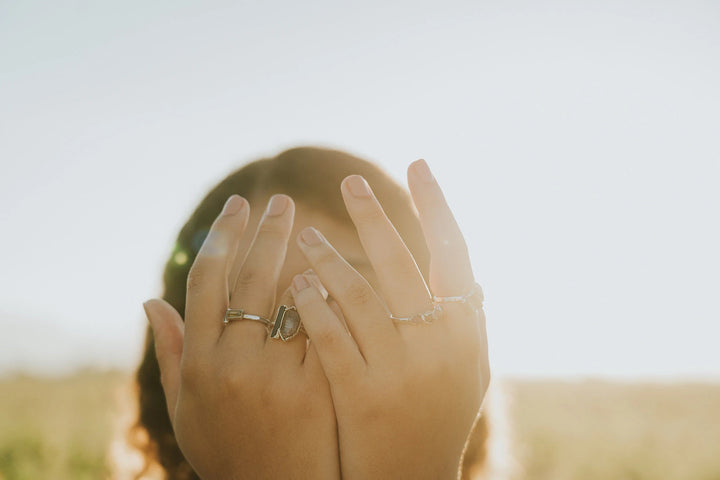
(342, 235)
(370, 396)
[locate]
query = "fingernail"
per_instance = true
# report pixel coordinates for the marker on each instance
(358, 186)
(300, 282)
(311, 236)
(315, 281)
(147, 312)
(277, 205)
(423, 171)
(233, 205)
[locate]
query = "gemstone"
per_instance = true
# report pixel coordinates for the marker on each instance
(290, 324)
(278, 321)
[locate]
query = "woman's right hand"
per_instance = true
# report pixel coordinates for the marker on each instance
(406, 395)
(243, 405)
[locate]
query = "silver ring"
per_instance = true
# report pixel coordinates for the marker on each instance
(474, 298)
(421, 318)
(287, 323)
(239, 314)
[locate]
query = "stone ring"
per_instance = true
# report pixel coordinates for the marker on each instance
(287, 323)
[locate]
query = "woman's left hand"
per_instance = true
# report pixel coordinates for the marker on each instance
(242, 405)
(406, 396)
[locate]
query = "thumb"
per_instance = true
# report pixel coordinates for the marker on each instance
(168, 332)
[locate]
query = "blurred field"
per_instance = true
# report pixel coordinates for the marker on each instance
(57, 428)
(618, 431)
(60, 428)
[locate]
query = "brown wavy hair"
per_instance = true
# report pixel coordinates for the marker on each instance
(311, 176)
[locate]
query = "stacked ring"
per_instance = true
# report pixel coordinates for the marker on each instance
(420, 318)
(287, 323)
(239, 314)
(473, 299)
(286, 326)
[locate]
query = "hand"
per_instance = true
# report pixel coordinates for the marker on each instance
(406, 396)
(243, 405)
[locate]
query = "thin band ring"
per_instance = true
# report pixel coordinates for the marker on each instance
(428, 316)
(232, 314)
(473, 299)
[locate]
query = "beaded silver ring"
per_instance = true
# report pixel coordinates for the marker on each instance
(474, 299)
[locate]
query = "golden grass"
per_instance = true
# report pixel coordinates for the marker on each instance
(601, 430)
(61, 428)
(57, 428)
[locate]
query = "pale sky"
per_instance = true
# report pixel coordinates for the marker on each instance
(577, 143)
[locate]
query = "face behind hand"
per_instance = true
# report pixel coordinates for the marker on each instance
(341, 235)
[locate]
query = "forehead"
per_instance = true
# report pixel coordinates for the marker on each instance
(341, 235)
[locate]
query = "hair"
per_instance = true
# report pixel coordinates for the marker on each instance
(311, 176)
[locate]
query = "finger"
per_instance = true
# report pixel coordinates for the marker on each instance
(366, 316)
(292, 351)
(401, 282)
(338, 312)
(315, 281)
(257, 279)
(338, 353)
(313, 371)
(168, 330)
(235, 256)
(207, 290)
(450, 270)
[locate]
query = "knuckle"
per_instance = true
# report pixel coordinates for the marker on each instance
(232, 379)
(358, 292)
(399, 262)
(272, 231)
(326, 257)
(369, 217)
(251, 277)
